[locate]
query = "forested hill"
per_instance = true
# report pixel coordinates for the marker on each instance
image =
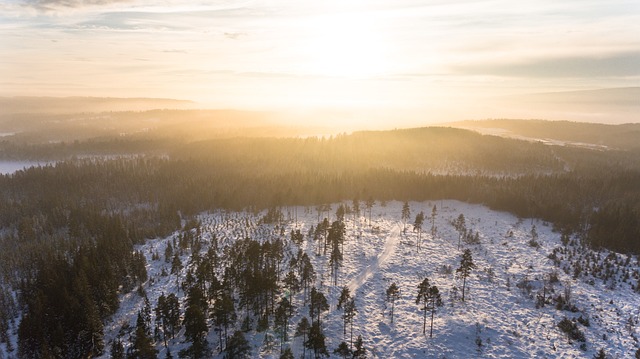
(430, 149)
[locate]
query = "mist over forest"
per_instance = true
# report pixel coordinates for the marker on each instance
(114, 182)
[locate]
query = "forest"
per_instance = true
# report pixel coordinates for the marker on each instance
(68, 230)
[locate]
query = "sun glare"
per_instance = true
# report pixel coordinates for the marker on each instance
(345, 45)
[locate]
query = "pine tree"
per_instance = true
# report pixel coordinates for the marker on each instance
(601, 354)
(360, 352)
(343, 350)
(393, 293)
(302, 330)
(142, 344)
(460, 226)
(238, 346)
(370, 203)
(117, 349)
(336, 235)
(345, 295)
(162, 321)
(297, 237)
(350, 312)
(176, 266)
(466, 265)
(317, 303)
(406, 214)
(287, 354)
(417, 226)
(316, 341)
(423, 293)
(429, 296)
(172, 314)
(282, 316)
(356, 210)
(340, 212)
(307, 274)
(168, 253)
(223, 314)
(434, 301)
(195, 325)
(434, 212)
(292, 284)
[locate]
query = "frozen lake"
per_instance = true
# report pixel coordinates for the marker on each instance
(9, 167)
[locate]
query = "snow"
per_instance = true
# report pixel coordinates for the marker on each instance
(389, 248)
(497, 314)
(10, 167)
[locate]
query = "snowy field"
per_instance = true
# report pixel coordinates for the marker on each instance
(10, 167)
(498, 319)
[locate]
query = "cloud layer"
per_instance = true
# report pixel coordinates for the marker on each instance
(402, 53)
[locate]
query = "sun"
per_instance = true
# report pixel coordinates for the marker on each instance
(345, 45)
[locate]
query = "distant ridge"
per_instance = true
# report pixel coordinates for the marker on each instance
(595, 135)
(28, 104)
(618, 96)
(610, 105)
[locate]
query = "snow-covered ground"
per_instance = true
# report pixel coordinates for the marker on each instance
(498, 319)
(10, 167)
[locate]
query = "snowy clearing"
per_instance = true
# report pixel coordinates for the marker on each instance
(498, 319)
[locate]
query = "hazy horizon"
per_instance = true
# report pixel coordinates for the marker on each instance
(383, 63)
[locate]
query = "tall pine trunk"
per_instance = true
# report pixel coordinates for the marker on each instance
(424, 319)
(393, 305)
(433, 310)
(464, 284)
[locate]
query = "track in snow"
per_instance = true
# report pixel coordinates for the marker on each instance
(389, 247)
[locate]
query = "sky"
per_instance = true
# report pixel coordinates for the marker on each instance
(440, 57)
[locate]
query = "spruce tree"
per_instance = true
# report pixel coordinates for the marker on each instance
(350, 312)
(238, 346)
(287, 354)
(393, 293)
(433, 301)
(460, 225)
(223, 314)
(172, 314)
(307, 274)
(316, 341)
(142, 345)
(345, 295)
(417, 226)
(195, 330)
(370, 203)
(317, 303)
(423, 290)
(360, 352)
(356, 210)
(406, 214)
(117, 349)
(303, 330)
(281, 319)
(176, 266)
(434, 211)
(292, 284)
(601, 354)
(466, 265)
(343, 350)
(168, 252)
